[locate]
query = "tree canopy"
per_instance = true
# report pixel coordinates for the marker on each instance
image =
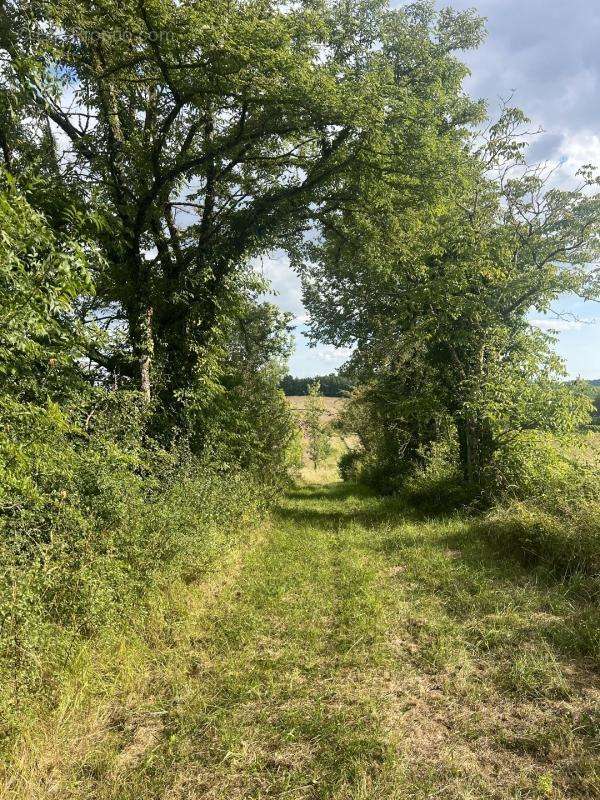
(195, 136)
(162, 146)
(433, 283)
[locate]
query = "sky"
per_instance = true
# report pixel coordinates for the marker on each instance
(545, 55)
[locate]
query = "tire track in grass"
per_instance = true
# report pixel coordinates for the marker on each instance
(359, 652)
(289, 671)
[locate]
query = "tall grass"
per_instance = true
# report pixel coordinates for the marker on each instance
(549, 513)
(91, 526)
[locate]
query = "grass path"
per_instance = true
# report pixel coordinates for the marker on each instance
(356, 651)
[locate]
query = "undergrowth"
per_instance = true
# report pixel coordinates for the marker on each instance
(93, 519)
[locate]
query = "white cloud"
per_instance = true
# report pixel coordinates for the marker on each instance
(334, 354)
(560, 325)
(286, 289)
(580, 148)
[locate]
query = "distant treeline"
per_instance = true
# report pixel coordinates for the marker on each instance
(589, 387)
(331, 385)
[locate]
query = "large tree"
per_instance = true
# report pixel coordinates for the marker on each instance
(199, 134)
(434, 285)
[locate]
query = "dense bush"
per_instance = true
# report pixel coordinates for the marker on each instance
(89, 520)
(398, 438)
(538, 496)
(248, 424)
(549, 510)
(405, 436)
(349, 465)
(251, 426)
(566, 539)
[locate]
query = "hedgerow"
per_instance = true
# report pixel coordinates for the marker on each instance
(90, 521)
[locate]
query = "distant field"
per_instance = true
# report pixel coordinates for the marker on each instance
(333, 406)
(332, 409)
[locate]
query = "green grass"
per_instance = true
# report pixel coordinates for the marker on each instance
(350, 650)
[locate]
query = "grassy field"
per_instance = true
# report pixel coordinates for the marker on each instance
(332, 406)
(327, 471)
(349, 650)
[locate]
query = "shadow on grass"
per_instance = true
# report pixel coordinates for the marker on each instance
(332, 491)
(460, 559)
(464, 530)
(331, 506)
(557, 607)
(479, 540)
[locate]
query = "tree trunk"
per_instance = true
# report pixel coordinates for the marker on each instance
(142, 342)
(146, 355)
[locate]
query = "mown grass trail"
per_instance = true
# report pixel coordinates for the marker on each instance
(355, 651)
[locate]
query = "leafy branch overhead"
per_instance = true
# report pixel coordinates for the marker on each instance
(200, 135)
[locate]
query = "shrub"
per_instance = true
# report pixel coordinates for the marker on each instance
(549, 510)
(535, 465)
(90, 520)
(250, 426)
(349, 465)
(566, 540)
(435, 481)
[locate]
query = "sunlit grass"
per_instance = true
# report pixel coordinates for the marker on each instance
(351, 649)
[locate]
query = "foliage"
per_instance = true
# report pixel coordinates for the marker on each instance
(93, 510)
(395, 430)
(318, 435)
(41, 273)
(434, 288)
(549, 502)
(565, 539)
(199, 136)
(90, 520)
(251, 426)
(248, 422)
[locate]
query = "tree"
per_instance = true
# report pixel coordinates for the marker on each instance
(317, 434)
(202, 135)
(435, 291)
(248, 422)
